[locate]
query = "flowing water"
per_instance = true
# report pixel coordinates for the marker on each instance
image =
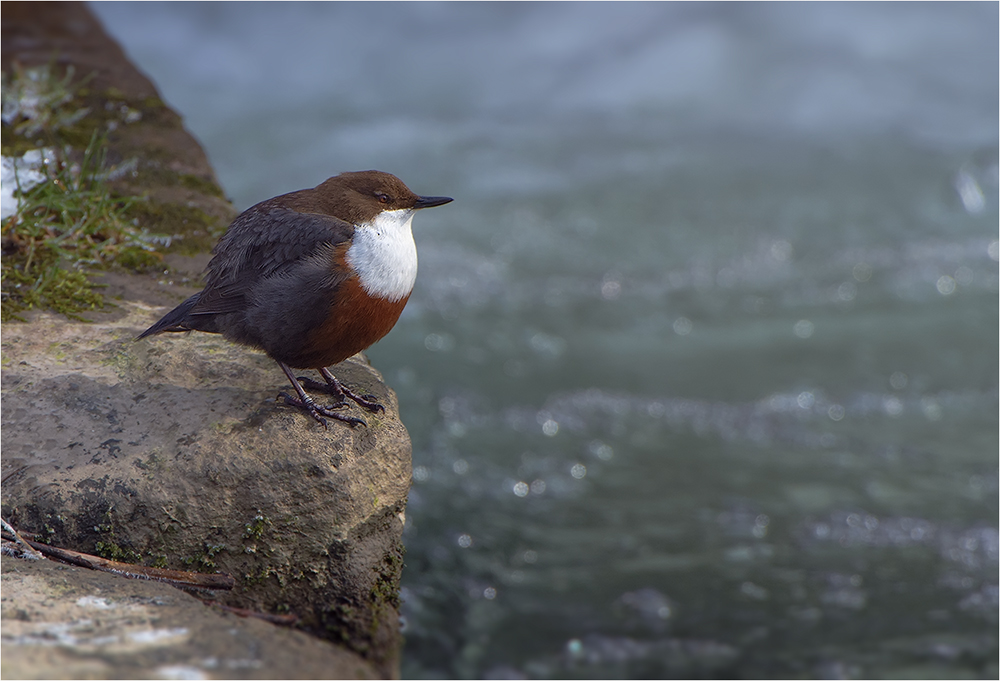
(701, 365)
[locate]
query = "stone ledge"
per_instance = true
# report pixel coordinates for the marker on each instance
(66, 622)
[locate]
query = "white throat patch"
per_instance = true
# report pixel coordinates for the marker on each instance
(384, 255)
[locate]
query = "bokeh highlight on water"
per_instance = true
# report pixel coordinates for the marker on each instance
(701, 366)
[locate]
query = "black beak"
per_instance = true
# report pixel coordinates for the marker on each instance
(431, 201)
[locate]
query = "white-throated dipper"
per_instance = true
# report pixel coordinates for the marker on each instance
(312, 278)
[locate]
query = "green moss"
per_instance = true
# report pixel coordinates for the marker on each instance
(66, 226)
(38, 104)
(386, 588)
(138, 259)
(339, 615)
(222, 427)
(113, 551)
(124, 363)
(196, 231)
(255, 528)
(58, 353)
(253, 578)
(53, 288)
(203, 561)
(49, 106)
(384, 593)
(153, 103)
(108, 546)
(200, 185)
(74, 221)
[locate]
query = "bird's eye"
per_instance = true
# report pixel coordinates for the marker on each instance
(382, 198)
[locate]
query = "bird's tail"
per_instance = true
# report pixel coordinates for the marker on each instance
(173, 320)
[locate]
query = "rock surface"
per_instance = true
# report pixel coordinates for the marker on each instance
(172, 451)
(70, 623)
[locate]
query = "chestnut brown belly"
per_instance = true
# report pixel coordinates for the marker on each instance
(355, 321)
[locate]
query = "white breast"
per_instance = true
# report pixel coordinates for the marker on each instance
(384, 255)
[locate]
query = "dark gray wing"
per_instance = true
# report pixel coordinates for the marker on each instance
(262, 242)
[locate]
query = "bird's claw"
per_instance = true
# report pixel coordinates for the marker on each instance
(317, 411)
(369, 402)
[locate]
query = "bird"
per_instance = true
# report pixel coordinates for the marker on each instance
(312, 277)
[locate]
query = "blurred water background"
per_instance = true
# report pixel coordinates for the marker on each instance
(701, 365)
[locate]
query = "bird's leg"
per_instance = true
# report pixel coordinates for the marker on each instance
(340, 391)
(305, 402)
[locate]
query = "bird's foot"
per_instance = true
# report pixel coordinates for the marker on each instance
(334, 387)
(318, 411)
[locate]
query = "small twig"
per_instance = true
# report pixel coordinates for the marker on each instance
(176, 577)
(21, 541)
(284, 620)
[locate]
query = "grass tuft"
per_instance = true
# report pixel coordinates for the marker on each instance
(67, 221)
